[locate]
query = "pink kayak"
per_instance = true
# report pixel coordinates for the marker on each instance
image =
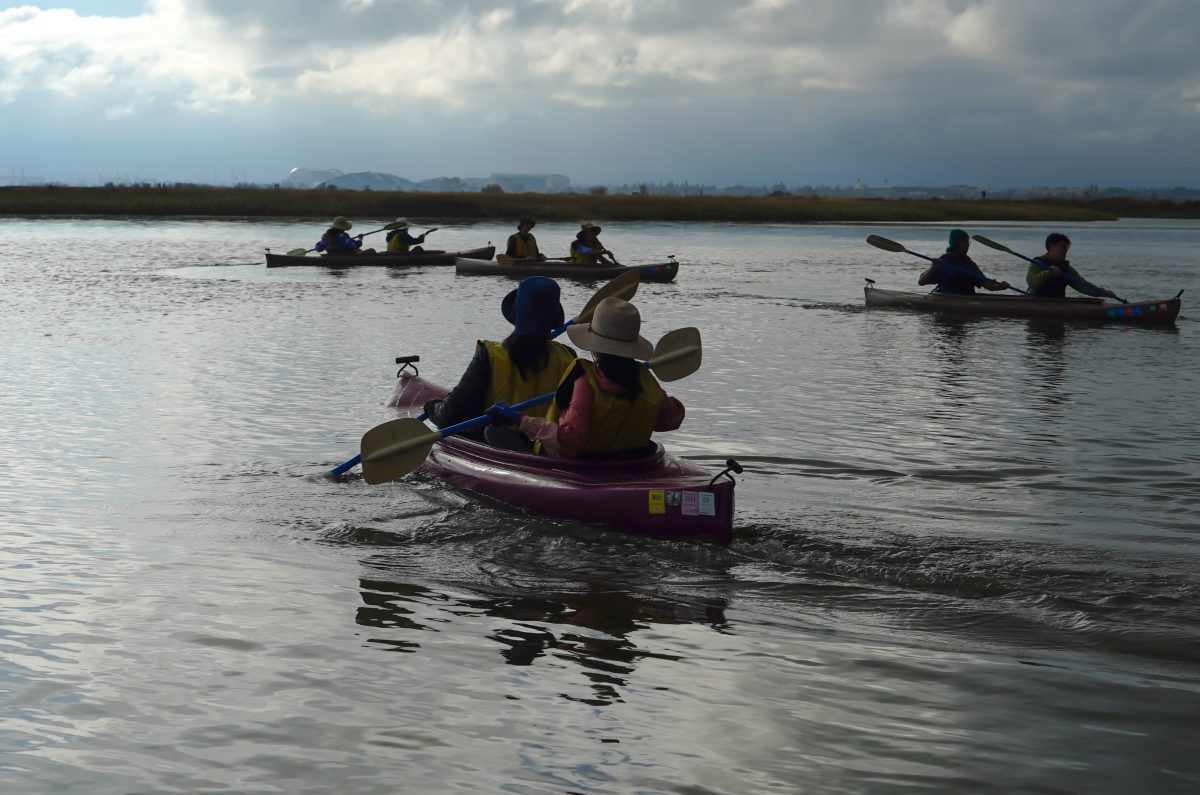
(654, 495)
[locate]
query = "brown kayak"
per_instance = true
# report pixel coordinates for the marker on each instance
(985, 305)
(385, 260)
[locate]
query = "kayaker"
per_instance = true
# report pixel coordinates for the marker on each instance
(399, 241)
(955, 272)
(586, 248)
(1052, 282)
(607, 408)
(524, 365)
(522, 244)
(336, 241)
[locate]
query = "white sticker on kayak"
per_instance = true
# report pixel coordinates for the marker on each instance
(708, 503)
(658, 501)
(691, 503)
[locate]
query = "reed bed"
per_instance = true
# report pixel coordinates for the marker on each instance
(196, 201)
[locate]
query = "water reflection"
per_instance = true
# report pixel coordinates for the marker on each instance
(591, 628)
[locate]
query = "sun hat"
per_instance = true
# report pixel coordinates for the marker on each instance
(614, 329)
(525, 219)
(342, 223)
(589, 227)
(399, 223)
(534, 307)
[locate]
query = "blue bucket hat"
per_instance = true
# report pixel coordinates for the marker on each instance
(534, 307)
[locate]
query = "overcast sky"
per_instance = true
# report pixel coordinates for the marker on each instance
(996, 93)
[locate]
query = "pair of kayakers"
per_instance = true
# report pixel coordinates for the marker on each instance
(336, 239)
(603, 408)
(1048, 275)
(586, 248)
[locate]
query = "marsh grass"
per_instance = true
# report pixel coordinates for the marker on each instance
(196, 201)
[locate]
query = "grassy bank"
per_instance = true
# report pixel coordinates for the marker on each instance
(435, 207)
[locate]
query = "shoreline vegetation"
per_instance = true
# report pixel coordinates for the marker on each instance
(148, 201)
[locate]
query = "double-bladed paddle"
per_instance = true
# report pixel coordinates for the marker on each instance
(300, 252)
(504, 259)
(892, 245)
(396, 448)
(624, 287)
(1084, 283)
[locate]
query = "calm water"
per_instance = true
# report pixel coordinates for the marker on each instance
(966, 559)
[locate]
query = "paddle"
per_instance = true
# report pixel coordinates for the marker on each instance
(300, 252)
(1088, 286)
(892, 245)
(396, 448)
(624, 286)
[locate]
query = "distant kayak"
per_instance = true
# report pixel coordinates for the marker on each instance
(519, 269)
(380, 260)
(995, 305)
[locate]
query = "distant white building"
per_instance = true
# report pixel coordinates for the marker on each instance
(369, 180)
(532, 183)
(309, 177)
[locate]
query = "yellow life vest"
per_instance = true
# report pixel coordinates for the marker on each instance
(394, 244)
(618, 424)
(509, 387)
(579, 258)
(524, 247)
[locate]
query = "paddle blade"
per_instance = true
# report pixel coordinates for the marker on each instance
(677, 355)
(992, 244)
(885, 244)
(297, 252)
(394, 449)
(624, 286)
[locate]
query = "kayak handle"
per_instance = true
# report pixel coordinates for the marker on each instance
(731, 465)
(407, 363)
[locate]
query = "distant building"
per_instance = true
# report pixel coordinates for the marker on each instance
(532, 183)
(369, 180)
(309, 177)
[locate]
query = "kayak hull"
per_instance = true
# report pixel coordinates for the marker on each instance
(983, 305)
(658, 272)
(421, 258)
(645, 496)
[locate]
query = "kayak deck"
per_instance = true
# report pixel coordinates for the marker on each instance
(655, 495)
(984, 305)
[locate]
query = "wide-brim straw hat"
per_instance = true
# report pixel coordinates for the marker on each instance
(614, 329)
(399, 223)
(590, 227)
(342, 223)
(534, 307)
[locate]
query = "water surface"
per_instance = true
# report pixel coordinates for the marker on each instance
(965, 560)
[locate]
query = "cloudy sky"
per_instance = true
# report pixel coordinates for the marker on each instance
(990, 92)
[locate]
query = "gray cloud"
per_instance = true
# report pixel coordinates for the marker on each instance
(816, 91)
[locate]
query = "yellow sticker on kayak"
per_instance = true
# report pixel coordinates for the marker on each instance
(658, 501)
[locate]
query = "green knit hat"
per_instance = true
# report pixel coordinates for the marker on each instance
(957, 236)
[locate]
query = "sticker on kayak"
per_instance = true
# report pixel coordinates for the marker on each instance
(708, 503)
(691, 503)
(673, 498)
(658, 501)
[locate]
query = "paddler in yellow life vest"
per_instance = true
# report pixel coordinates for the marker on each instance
(524, 365)
(607, 408)
(586, 248)
(399, 241)
(522, 244)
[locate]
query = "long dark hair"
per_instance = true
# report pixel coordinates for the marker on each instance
(622, 370)
(529, 352)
